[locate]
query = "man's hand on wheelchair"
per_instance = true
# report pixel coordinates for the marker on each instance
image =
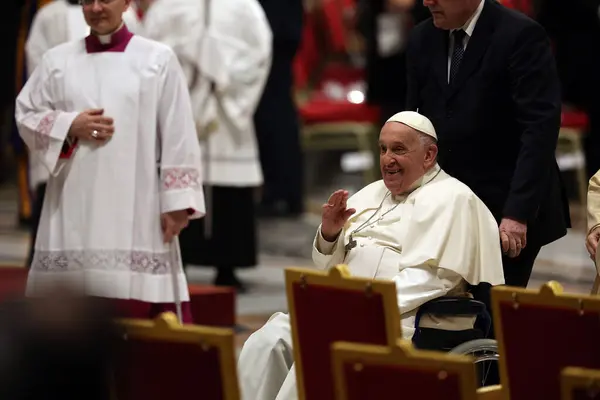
(591, 242)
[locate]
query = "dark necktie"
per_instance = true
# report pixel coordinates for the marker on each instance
(458, 53)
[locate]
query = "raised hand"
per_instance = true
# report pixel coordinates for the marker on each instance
(334, 215)
(92, 125)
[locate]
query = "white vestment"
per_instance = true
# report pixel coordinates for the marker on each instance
(234, 53)
(56, 23)
(100, 226)
(430, 243)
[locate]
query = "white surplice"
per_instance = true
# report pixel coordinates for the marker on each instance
(100, 226)
(56, 23)
(430, 242)
(234, 53)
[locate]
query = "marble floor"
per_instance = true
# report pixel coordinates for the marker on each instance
(286, 243)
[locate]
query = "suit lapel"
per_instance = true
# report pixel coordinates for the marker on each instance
(476, 48)
(440, 69)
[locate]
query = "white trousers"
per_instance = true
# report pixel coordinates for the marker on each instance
(266, 364)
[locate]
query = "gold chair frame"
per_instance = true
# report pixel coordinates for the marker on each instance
(166, 327)
(579, 378)
(402, 354)
(339, 277)
(550, 294)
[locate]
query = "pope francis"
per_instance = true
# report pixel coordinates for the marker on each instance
(418, 226)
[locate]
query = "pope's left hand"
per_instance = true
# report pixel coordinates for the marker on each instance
(513, 236)
(173, 223)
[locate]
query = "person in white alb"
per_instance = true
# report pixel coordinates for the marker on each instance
(57, 22)
(110, 117)
(225, 48)
(418, 227)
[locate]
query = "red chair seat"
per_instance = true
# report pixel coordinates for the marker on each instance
(212, 305)
(574, 119)
(319, 111)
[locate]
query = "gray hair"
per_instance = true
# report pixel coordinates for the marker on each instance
(425, 139)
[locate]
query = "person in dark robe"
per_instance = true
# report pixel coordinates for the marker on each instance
(276, 119)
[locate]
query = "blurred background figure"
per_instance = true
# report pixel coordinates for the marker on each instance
(225, 49)
(276, 119)
(56, 347)
(574, 28)
(57, 22)
(385, 25)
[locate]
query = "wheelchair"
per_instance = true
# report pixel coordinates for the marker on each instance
(475, 342)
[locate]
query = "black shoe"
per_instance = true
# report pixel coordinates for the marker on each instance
(226, 277)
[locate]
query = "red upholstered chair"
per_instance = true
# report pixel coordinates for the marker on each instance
(574, 126)
(541, 332)
(163, 360)
(580, 384)
(375, 372)
(326, 307)
(328, 123)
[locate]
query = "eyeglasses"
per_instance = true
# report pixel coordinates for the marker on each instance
(91, 2)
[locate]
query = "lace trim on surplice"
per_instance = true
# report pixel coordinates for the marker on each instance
(109, 260)
(180, 178)
(43, 130)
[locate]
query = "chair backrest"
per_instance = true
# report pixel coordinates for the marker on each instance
(326, 307)
(580, 384)
(375, 372)
(541, 332)
(162, 359)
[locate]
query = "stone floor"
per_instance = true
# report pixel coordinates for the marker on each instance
(286, 243)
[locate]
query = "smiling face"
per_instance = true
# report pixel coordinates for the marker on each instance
(451, 14)
(104, 16)
(405, 155)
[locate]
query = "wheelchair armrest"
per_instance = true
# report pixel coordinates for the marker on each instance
(454, 306)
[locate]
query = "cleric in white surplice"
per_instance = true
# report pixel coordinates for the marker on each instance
(419, 227)
(110, 117)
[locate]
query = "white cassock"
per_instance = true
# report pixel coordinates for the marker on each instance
(100, 226)
(431, 243)
(56, 23)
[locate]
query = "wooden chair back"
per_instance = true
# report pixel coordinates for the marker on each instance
(326, 307)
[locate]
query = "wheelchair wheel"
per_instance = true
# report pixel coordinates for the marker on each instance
(485, 353)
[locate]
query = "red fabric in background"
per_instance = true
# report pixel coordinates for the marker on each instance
(326, 315)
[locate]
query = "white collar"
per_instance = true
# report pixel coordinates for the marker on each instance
(106, 39)
(469, 26)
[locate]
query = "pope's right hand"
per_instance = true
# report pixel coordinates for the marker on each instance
(591, 242)
(92, 125)
(334, 215)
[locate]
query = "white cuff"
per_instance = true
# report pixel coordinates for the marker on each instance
(323, 246)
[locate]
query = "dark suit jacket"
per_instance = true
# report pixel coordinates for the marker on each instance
(498, 122)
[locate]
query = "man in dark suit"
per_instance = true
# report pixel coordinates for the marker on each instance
(486, 77)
